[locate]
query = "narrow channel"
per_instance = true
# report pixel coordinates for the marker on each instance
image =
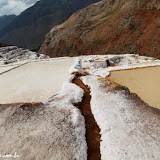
(92, 129)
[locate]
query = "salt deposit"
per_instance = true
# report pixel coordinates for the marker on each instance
(34, 82)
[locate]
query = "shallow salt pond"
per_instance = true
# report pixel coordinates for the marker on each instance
(145, 82)
(6, 68)
(34, 81)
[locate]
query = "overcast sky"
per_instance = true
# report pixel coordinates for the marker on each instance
(7, 5)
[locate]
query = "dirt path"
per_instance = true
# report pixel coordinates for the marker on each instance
(92, 129)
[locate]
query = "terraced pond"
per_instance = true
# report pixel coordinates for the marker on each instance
(145, 82)
(34, 82)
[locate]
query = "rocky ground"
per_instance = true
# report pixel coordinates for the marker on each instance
(108, 27)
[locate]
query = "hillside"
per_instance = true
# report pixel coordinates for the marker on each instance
(108, 27)
(4, 20)
(30, 27)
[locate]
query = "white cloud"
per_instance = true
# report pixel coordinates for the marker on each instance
(15, 6)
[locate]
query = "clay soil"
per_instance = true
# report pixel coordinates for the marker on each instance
(92, 129)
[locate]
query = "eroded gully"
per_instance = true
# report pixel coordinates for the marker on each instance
(92, 129)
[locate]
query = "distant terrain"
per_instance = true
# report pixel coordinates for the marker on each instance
(108, 27)
(2, 45)
(28, 30)
(4, 20)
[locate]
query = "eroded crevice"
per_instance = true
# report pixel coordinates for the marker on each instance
(92, 129)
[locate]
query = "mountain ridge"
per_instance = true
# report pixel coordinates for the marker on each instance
(6, 19)
(30, 27)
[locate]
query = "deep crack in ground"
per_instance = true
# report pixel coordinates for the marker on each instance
(92, 129)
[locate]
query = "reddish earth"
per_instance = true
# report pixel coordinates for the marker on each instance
(92, 129)
(108, 27)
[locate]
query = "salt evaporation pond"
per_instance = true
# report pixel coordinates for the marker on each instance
(145, 82)
(34, 81)
(6, 68)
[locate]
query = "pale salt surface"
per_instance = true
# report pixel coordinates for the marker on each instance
(6, 68)
(35, 81)
(129, 61)
(72, 94)
(143, 83)
(123, 132)
(127, 133)
(76, 67)
(54, 130)
(127, 130)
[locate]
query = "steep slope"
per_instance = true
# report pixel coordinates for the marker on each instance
(29, 28)
(4, 20)
(109, 26)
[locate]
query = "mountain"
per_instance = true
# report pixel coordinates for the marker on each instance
(30, 27)
(4, 20)
(108, 27)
